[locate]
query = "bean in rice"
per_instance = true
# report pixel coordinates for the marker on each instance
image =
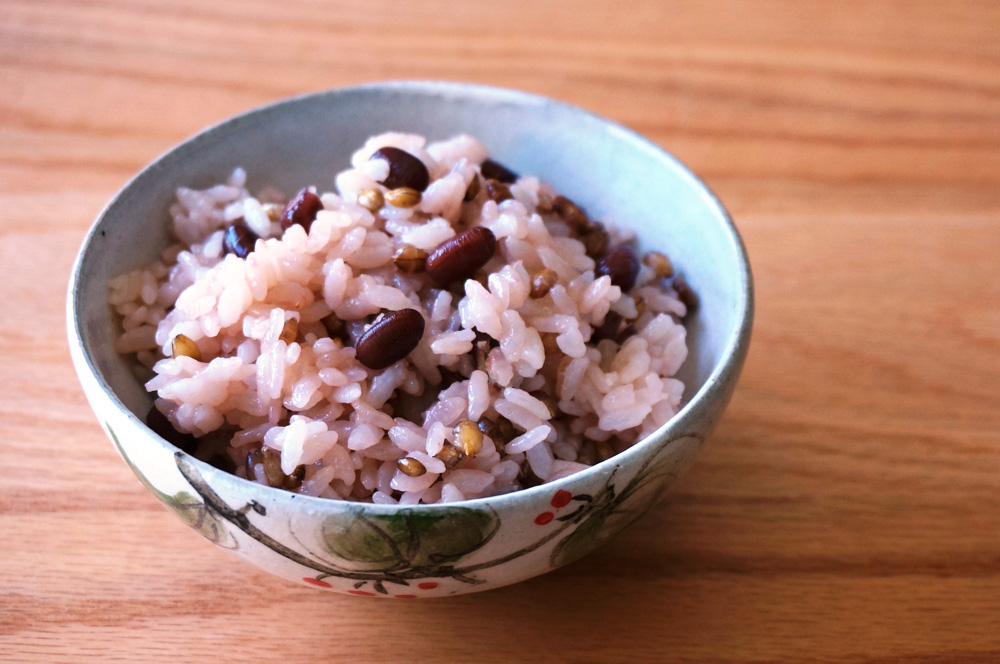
(412, 338)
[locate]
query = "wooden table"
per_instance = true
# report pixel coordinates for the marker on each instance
(848, 507)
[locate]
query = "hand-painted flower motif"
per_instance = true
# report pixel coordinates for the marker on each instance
(401, 554)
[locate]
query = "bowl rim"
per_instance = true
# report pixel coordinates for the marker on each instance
(725, 370)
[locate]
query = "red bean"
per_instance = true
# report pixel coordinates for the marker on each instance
(458, 259)
(685, 295)
(609, 328)
(301, 210)
(497, 171)
(405, 170)
(622, 265)
(239, 239)
(390, 339)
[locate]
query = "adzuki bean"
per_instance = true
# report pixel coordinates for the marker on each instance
(301, 210)
(390, 339)
(497, 171)
(405, 170)
(685, 294)
(239, 239)
(458, 259)
(622, 265)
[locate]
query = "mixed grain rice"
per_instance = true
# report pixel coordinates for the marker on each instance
(531, 369)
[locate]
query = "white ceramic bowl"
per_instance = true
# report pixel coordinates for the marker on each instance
(426, 550)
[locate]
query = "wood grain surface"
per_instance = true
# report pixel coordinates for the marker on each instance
(846, 510)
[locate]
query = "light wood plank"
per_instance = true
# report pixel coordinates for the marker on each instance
(848, 507)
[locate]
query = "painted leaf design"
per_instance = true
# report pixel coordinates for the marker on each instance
(613, 516)
(186, 506)
(195, 515)
(589, 535)
(408, 540)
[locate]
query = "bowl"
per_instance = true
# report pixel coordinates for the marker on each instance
(439, 549)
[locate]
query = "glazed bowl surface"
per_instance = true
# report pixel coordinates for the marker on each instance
(422, 550)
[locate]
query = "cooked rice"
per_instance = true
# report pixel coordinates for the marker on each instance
(347, 425)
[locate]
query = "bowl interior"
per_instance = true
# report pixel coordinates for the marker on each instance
(613, 173)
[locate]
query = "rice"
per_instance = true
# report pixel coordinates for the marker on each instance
(557, 355)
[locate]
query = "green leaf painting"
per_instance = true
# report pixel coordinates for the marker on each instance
(611, 510)
(186, 506)
(383, 542)
(406, 552)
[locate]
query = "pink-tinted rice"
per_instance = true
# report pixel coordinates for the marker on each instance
(345, 425)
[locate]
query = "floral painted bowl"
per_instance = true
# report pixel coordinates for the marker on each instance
(423, 550)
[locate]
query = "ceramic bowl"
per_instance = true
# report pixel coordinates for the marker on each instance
(427, 550)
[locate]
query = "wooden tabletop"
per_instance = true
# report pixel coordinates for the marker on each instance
(847, 508)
